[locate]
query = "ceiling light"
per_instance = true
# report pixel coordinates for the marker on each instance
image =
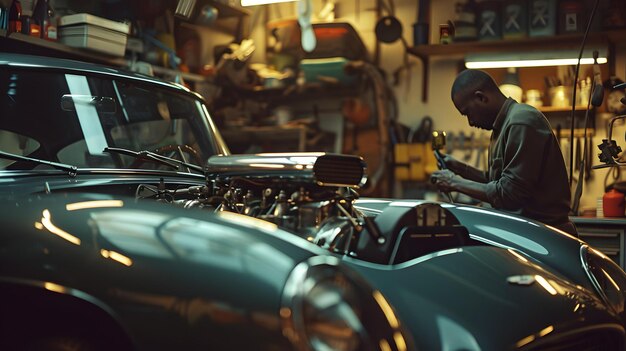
(262, 2)
(531, 59)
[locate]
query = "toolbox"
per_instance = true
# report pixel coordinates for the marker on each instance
(94, 33)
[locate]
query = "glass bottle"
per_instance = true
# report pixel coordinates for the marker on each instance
(15, 17)
(40, 19)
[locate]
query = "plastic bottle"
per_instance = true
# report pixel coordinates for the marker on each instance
(51, 27)
(15, 17)
(613, 204)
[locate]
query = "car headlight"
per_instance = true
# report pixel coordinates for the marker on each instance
(327, 307)
(606, 276)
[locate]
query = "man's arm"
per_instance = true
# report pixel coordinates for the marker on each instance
(447, 181)
(464, 170)
(522, 165)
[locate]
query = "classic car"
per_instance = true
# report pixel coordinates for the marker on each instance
(83, 266)
(458, 277)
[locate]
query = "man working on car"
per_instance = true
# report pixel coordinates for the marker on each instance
(527, 174)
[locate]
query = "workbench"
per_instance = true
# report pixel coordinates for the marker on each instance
(605, 234)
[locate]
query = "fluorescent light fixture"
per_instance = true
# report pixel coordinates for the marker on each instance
(532, 59)
(262, 2)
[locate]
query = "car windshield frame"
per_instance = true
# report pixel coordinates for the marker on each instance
(69, 115)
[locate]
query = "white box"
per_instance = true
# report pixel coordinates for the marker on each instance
(95, 33)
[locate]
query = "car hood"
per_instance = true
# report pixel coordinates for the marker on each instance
(121, 251)
(485, 298)
(543, 243)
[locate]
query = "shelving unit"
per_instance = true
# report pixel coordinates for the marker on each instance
(458, 49)
(230, 19)
(25, 44)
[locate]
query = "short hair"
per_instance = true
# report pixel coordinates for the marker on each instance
(471, 80)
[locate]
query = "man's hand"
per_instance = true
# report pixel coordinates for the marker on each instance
(444, 180)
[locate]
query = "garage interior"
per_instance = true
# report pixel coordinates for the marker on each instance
(364, 77)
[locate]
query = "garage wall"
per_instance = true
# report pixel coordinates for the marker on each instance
(442, 71)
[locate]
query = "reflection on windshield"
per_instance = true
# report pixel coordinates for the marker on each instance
(138, 116)
(87, 115)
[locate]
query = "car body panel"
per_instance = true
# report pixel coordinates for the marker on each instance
(458, 296)
(177, 268)
(186, 269)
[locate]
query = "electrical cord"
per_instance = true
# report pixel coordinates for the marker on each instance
(580, 55)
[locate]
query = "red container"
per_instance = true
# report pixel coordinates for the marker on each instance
(613, 204)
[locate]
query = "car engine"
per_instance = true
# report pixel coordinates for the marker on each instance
(310, 194)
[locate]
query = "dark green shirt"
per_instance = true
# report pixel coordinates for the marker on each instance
(527, 174)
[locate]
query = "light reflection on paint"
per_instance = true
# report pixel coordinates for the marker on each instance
(546, 331)
(405, 203)
(384, 345)
(577, 307)
(514, 238)
(248, 221)
(94, 204)
(116, 256)
(545, 284)
(305, 154)
(46, 221)
(372, 201)
(493, 213)
(266, 165)
(561, 232)
(400, 342)
(610, 279)
(525, 341)
(54, 287)
(559, 289)
(519, 257)
(384, 305)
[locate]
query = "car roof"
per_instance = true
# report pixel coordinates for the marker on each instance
(50, 63)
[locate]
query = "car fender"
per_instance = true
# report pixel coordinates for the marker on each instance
(37, 309)
(500, 287)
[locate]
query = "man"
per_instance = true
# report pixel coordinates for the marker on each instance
(526, 174)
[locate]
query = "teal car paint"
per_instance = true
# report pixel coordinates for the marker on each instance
(123, 207)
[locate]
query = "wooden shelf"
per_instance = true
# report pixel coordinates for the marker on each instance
(26, 44)
(230, 18)
(558, 42)
(225, 10)
(561, 109)
(523, 44)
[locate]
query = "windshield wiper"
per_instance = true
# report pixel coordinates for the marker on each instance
(154, 157)
(71, 170)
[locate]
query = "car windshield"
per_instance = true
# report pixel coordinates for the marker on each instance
(72, 118)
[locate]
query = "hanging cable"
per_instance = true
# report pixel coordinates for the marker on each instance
(580, 55)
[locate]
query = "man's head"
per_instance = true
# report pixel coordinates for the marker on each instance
(476, 96)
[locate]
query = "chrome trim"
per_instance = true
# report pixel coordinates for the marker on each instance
(585, 265)
(491, 242)
(293, 295)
